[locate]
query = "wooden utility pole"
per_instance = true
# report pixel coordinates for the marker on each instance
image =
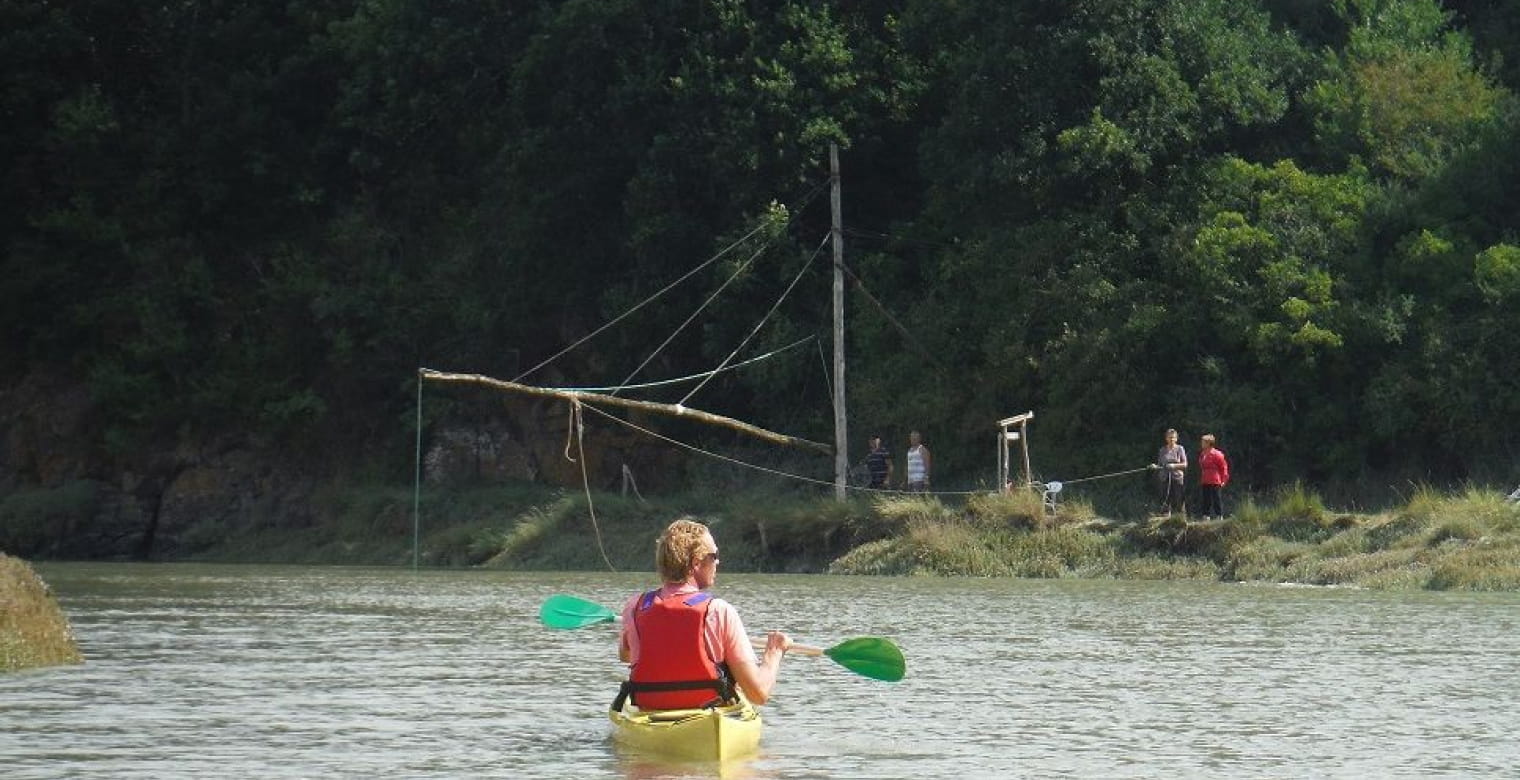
(836, 238)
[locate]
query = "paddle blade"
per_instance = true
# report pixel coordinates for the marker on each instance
(561, 611)
(871, 657)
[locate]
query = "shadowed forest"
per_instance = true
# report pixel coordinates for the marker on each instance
(1294, 224)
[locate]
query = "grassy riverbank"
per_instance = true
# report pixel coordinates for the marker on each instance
(1468, 540)
(33, 630)
(1464, 540)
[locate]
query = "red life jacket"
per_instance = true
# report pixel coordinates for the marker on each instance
(674, 670)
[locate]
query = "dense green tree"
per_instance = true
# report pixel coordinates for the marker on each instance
(1291, 223)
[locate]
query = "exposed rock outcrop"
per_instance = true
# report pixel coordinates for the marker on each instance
(64, 494)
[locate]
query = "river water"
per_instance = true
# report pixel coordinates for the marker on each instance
(276, 672)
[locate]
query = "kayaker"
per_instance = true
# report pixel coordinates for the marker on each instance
(686, 648)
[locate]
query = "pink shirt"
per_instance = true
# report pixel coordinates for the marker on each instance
(724, 631)
(1213, 469)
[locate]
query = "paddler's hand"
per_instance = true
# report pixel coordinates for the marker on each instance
(777, 641)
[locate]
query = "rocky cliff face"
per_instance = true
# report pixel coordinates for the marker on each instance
(501, 438)
(63, 494)
(66, 495)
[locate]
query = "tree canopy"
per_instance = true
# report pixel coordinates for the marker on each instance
(1293, 224)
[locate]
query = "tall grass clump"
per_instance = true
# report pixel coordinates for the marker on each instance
(570, 534)
(1465, 541)
(1268, 559)
(1018, 509)
(519, 540)
(996, 535)
(900, 512)
(1026, 509)
(1430, 518)
(33, 629)
(1406, 525)
(1058, 552)
(783, 532)
(926, 548)
(1496, 569)
(1299, 515)
(1157, 567)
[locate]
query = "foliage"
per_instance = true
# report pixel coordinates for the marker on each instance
(49, 521)
(1290, 224)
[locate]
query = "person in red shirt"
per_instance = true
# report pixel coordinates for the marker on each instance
(1213, 475)
(685, 648)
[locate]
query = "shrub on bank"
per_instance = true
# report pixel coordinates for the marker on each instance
(48, 521)
(995, 536)
(1468, 540)
(33, 630)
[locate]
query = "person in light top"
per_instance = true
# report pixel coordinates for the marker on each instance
(1172, 463)
(920, 463)
(687, 649)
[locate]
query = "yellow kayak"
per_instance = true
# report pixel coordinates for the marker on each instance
(715, 734)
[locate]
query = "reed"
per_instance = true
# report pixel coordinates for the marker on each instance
(1155, 567)
(33, 629)
(1266, 559)
(1477, 569)
(1468, 539)
(926, 548)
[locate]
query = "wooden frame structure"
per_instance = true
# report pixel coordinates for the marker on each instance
(1006, 434)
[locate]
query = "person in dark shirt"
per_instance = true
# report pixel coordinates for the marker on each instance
(879, 464)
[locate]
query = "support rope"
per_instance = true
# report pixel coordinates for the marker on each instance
(726, 282)
(828, 379)
(641, 304)
(805, 200)
(1106, 476)
(578, 431)
(763, 320)
(665, 382)
(767, 469)
(906, 334)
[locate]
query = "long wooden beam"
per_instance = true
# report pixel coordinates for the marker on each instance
(671, 410)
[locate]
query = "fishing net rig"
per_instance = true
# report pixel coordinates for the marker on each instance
(598, 400)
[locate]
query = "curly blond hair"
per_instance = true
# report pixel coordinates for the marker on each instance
(679, 548)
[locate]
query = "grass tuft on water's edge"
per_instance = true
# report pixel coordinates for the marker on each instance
(33, 629)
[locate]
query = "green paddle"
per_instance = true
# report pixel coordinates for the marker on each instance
(867, 656)
(561, 611)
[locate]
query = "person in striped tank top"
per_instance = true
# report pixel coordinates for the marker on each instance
(919, 463)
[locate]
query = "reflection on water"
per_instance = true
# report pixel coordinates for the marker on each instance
(635, 767)
(195, 671)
